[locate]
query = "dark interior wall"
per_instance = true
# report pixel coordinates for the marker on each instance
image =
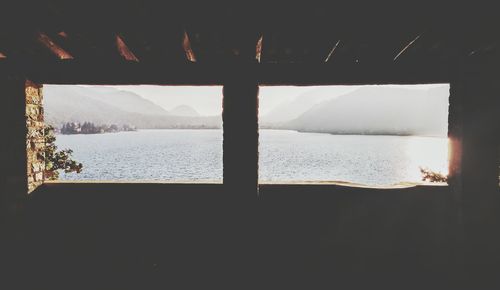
(13, 157)
(13, 186)
(356, 238)
(479, 195)
(192, 236)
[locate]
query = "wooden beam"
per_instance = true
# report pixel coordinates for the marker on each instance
(258, 49)
(406, 47)
(63, 34)
(332, 51)
(124, 51)
(53, 47)
(186, 44)
(168, 73)
(352, 74)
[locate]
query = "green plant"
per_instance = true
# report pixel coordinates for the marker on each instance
(431, 176)
(56, 160)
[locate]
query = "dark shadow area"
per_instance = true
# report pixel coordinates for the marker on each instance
(320, 237)
(156, 236)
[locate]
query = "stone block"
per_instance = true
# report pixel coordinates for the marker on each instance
(35, 143)
(33, 95)
(39, 176)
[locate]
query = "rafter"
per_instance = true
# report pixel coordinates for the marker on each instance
(332, 51)
(63, 34)
(258, 49)
(406, 47)
(124, 51)
(53, 47)
(186, 44)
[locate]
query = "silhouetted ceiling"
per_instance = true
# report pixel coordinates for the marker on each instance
(380, 37)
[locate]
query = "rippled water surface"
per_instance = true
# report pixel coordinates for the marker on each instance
(196, 155)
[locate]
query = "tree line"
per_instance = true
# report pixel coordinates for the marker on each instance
(91, 128)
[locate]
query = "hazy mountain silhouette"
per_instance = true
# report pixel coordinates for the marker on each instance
(292, 109)
(185, 111)
(366, 110)
(379, 110)
(105, 105)
(124, 100)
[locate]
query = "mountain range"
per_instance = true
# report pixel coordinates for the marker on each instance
(106, 105)
(376, 110)
(380, 110)
(293, 108)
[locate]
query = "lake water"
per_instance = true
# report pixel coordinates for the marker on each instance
(284, 156)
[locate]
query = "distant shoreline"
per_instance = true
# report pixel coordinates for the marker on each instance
(96, 133)
(358, 133)
(275, 129)
(355, 133)
(371, 134)
(135, 130)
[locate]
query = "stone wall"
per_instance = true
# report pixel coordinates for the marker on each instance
(35, 142)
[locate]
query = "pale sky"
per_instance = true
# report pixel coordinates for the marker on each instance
(207, 100)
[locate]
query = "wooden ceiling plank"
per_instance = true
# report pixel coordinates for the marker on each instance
(124, 51)
(53, 47)
(332, 51)
(406, 47)
(186, 44)
(258, 49)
